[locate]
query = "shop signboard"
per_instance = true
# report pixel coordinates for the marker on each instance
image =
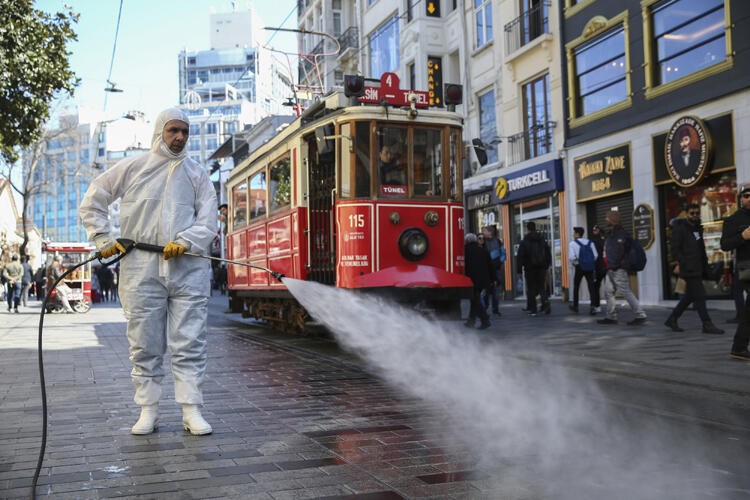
(533, 181)
(604, 173)
(687, 150)
(720, 155)
(643, 225)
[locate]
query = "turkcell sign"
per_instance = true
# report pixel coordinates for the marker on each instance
(533, 181)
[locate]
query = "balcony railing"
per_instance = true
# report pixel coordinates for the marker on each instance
(349, 39)
(530, 143)
(527, 27)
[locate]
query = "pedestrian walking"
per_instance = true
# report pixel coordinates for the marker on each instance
(582, 255)
(689, 250)
(13, 274)
(479, 268)
(498, 255)
(598, 238)
(167, 199)
(735, 236)
(27, 280)
(40, 280)
(615, 253)
(533, 260)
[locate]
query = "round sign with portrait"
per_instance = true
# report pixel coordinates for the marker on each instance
(687, 150)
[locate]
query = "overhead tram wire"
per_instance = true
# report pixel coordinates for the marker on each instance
(112, 60)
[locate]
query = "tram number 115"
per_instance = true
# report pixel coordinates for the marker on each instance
(357, 220)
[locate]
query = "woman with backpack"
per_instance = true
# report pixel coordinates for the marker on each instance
(582, 254)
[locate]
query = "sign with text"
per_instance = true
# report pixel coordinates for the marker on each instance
(390, 93)
(435, 80)
(643, 224)
(603, 173)
(533, 181)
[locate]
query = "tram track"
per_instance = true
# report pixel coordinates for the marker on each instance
(607, 378)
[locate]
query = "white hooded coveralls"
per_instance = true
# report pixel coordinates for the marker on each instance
(164, 197)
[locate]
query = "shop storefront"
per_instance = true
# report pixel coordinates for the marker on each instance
(694, 163)
(533, 194)
(604, 182)
(482, 211)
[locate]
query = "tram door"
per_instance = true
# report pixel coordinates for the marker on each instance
(321, 171)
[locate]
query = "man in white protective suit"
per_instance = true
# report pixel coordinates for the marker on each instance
(167, 199)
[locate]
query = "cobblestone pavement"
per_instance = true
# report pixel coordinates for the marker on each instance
(287, 423)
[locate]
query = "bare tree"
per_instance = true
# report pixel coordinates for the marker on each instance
(31, 176)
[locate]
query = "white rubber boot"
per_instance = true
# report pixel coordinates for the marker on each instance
(148, 420)
(193, 421)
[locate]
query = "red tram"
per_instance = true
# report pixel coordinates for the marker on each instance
(356, 195)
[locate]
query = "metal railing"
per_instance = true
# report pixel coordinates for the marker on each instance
(527, 27)
(349, 39)
(530, 143)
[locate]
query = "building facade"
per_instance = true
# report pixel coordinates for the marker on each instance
(70, 156)
(220, 87)
(657, 98)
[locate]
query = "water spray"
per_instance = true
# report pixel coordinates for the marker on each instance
(129, 246)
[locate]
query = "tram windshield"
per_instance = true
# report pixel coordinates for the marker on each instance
(406, 161)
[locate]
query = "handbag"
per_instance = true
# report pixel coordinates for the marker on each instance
(743, 270)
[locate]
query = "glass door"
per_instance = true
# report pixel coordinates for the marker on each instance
(545, 213)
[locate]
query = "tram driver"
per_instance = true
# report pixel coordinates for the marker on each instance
(392, 169)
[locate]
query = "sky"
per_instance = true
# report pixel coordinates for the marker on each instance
(151, 35)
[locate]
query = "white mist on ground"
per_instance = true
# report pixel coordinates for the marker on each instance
(521, 417)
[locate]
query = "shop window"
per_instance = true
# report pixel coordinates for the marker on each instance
(239, 205)
(600, 70)
(686, 40)
(281, 187)
(717, 197)
(257, 205)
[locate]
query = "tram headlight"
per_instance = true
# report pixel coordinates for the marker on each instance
(413, 244)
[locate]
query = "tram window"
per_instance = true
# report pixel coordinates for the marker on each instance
(427, 162)
(281, 188)
(454, 179)
(392, 160)
(257, 204)
(239, 205)
(345, 167)
(362, 169)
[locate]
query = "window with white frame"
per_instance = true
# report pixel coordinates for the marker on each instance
(488, 124)
(384, 48)
(483, 22)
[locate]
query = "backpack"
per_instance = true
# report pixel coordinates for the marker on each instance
(586, 260)
(538, 253)
(635, 256)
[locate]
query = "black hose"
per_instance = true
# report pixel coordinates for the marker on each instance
(43, 445)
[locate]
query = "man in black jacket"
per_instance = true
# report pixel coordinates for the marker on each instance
(689, 250)
(735, 235)
(534, 258)
(479, 268)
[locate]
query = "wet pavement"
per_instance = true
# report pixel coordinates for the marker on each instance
(294, 417)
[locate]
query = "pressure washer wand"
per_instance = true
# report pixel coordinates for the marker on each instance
(130, 244)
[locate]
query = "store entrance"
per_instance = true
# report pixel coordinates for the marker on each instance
(545, 213)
